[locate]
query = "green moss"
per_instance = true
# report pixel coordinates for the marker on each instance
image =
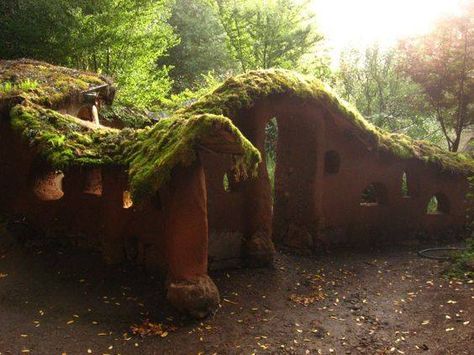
(131, 117)
(64, 140)
(245, 90)
(52, 84)
(151, 153)
(176, 140)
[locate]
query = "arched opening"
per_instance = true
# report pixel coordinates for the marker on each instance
(438, 204)
(127, 200)
(405, 188)
(93, 182)
(373, 195)
(49, 186)
(225, 183)
(271, 140)
(332, 162)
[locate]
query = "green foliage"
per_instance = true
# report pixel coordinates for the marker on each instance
(273, 33)
(186, 97)
(121, 38)
(442, 62)
(463, 263)
(202, 48)
(373, 82)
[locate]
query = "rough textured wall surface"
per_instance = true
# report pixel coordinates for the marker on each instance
(315, 206)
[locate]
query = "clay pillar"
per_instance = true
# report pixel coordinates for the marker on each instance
(258, 247)
(186, 231)
(113, 222)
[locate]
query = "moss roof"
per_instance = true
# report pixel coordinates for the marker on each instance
(43, 83)
(244, 90)
(151, 153)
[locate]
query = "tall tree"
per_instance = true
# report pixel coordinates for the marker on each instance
(442, 62)
(202, 48)
(122, 38)
(373, 82)
(265, 34)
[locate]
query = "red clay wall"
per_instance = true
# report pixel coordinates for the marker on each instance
(94, 221)
(312, 207)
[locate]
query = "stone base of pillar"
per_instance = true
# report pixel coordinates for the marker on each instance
(197, 298)
(259, 250)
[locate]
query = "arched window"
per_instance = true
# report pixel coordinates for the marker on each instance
(271, 143)
(405, 188)
(93, 182)
(438, 204)
(226, 183)
(127, 200)
(373, 195)
(332, 162)
(49, 186)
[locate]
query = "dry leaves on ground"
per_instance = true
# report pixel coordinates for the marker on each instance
(148, 328)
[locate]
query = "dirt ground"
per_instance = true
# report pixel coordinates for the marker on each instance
(58, 301)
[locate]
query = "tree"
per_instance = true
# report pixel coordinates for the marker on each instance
(202, 48)
(373, 82)
(273, 33)
(121, 38)
(442, 62)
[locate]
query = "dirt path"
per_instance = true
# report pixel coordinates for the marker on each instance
(55, 302)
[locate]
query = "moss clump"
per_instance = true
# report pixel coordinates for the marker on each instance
(176, 140)
(126, 116)
(150, 154)
(52, 85)
(65, 140)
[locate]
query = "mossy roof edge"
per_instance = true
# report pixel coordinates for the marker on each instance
(244, 90)
(45, 84)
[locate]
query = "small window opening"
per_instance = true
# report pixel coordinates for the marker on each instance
(127, 200)
(49, 186)
(438, 204)
(225, 183)
(93, 182)
(405, 190)
(271, 141)
(332, 162)
(373, 195)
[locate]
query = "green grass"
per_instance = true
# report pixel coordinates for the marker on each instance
(463, 263)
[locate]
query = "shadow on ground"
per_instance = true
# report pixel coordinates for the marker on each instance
(56, 300)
